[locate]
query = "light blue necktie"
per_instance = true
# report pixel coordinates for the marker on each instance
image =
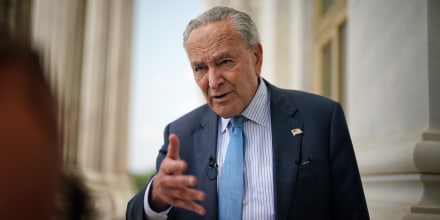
(230, 188)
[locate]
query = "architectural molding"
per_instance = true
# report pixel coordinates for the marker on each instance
(86, 48)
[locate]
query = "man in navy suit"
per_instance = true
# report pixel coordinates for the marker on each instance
(299, 161)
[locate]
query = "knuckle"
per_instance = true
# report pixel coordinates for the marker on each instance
(182, 194)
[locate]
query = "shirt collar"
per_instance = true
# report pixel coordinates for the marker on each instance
(257, 111)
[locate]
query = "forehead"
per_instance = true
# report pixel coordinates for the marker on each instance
(214, 37)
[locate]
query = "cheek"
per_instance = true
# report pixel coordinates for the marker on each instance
(202, 83)
(250, 84)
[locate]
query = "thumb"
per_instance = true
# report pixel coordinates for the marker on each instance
(173, 147)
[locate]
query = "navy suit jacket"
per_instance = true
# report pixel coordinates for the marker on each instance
(315, 174)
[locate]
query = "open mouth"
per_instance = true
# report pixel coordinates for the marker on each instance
(221, 97)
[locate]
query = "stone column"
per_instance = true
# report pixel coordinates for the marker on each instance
(86, 46)
(15, 18)
(302, 45)
(426, 154)
(274, 22)
(104, 109)
(57, 33)
(393, 105)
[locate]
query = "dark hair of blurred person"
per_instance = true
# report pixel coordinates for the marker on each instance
(73, 201)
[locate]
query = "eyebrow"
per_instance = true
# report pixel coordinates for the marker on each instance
(197, 63)
(215, 58)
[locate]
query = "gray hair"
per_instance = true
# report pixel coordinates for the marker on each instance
(242, 22)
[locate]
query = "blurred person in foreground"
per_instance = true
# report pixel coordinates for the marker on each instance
(29, 140)
(296, 162)
(33, 185)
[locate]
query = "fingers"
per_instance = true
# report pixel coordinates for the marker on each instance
(170, 187)
(190, 205)
(175, 190)
(176, 181)
(172, 167)
(187, 194)
(172, 163)
(176, 196)
(173, 147)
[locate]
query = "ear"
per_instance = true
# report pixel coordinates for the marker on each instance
(258, 58)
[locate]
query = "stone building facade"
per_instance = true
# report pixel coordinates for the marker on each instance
(380, 59)
(85, 46)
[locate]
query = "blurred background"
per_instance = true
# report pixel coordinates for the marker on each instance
(120, 74)
(162, 85)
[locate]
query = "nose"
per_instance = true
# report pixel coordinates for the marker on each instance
(215, 78)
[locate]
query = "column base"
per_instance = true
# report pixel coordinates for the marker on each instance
(110, 194)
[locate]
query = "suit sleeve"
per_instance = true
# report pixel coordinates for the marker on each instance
(135, 207)
(348, 198)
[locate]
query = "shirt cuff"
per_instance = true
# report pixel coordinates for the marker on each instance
(150, 213)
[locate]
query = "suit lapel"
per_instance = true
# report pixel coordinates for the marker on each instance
(205, 147)
(286, 149)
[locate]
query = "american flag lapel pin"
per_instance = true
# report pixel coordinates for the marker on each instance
(296, 131)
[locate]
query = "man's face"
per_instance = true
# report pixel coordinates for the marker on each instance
(224, 68)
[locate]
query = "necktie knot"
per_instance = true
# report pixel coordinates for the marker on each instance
(237, 121)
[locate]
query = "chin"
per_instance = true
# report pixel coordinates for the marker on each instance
(226, 114)
(225, 111)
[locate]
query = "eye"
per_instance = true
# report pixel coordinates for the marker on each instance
(227, 63)
(200, 70)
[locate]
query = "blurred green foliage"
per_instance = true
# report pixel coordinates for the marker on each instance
(141, 179)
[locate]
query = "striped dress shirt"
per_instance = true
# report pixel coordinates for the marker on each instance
(258, 196)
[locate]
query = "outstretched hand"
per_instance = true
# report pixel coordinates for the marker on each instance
(170, 187)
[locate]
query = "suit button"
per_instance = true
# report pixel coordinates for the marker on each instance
(245, 202)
